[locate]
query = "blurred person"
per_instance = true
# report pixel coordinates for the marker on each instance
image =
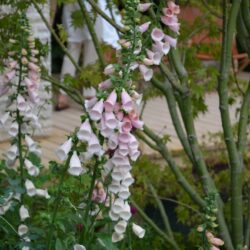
(80, 41)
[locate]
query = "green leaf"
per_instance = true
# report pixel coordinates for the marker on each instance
(104, 242)
(59, 244)
(77, 19)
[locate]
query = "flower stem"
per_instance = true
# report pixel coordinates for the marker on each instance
(57, 201)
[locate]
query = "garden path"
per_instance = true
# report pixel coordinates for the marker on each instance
(156, 116)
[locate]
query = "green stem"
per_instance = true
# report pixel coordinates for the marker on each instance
(57, 201)
(149, 143)
(86, 216)
(247, 232)
(229, 24)
(181, 204)
(2, 218)
(105, 16)
(243, 121)
(163, 213)
(92, 32)
(246, 13)
(211, 9)
(170, 98)
(73, 93)
(171, 78)
(55, 36)
(154, 226)
(162, 149)
(243, 34)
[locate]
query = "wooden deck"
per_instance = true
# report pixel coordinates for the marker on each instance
(156, 116)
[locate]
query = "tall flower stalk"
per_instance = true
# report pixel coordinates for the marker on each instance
(20, 82)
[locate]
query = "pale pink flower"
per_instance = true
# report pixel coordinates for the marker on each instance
(123, 149)
(24, 60)
(125, 214)
(133, 143)
(137, 123)
(171, 22)
(21, 103)
(9, 76)
(33, 75)
(105, 84)
(96, 112)
(124, 43)
(34, 97)
(124, 137)
(117, 237)
(157, 34)
(144, 27)
(148, 61)
(90, 103)
(109, 104)
(138, 231)
(167, 12)
(94, 146)
(30, 84)
(33, 67)
(118, 159)
(172, 41)
(89, 93)
(85, 131)
(109, 69)
(134, 154)
(4, 89)
(127, 104)
(120, 227)
(142, 7)
(155, 56)
(64, 149)
(161, 47)
(110, 120)
(126, 125)
(113, 141)
(119, 115)
(214, 248)
(75, 167)
(146, 72)
(12, 65)
(174, 7)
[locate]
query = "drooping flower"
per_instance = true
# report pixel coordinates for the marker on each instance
(85, 131)
(96, 112)
(127, 104)
(23, 213)
(142, 7)
(22, 229)
(144, 27)
(79, 247)
(157, 34)
(138, 231)
(75, 166)
(146, 72)
(64, 149)
(109, 104)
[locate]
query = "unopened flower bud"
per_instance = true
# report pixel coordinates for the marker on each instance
(24, 52)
